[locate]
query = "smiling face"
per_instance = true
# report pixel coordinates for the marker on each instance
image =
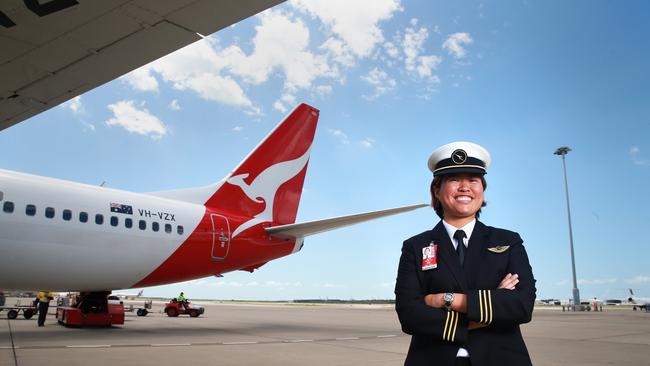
(461, 197)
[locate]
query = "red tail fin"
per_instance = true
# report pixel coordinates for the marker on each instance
(266, 186)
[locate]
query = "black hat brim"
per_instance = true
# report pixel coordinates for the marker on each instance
(460, 170)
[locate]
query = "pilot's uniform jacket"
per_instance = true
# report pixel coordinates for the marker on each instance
(438, 333)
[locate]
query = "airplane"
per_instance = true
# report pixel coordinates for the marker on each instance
(630, 300)
(66, 236)
(130, 296)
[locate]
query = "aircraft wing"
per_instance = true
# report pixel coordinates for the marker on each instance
(300, 230)
(55, 50)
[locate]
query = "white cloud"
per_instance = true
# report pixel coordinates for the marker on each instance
(454, 44)
(391, 49)
(638, 279)
(323, 89)
(343, 138)
(425, 66)
(174, 106)
(74, 104)
(430, 89)
(368, 142)
(135, 120)
(380, 80)
(338, 51)
(88, 125)
(602, 281)
(354, 23)
(413, 45)
(238, 129)
(279, 106)
(198, 67)
(280, 43)
(635, 154)
(141, 79)
(285, 99)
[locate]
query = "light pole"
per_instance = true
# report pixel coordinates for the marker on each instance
(562, 151)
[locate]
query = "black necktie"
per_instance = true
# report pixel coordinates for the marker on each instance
(460, 248)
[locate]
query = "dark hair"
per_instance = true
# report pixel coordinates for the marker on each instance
(435, 202)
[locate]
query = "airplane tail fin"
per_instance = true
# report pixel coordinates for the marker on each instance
(266, 186)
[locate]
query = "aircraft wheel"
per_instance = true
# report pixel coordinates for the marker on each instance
(171, 312)
(28, 314)
(194, 313)
(142, 312)
(12, 314)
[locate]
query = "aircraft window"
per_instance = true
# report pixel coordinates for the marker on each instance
(67, 215)
(8, 207)
(114, 221)
(30, 210)
(99, 219)
(179, 229)
(155, 226)
(83, 216)
(168, 228)
(128, 223)
(49, 212)
(142, 224)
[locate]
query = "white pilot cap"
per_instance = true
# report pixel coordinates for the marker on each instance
(459, 157)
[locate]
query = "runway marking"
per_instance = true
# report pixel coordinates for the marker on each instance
(234, 343)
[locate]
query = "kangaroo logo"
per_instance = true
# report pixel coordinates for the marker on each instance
(265, 186)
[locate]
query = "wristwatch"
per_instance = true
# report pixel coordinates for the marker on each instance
(449, 299)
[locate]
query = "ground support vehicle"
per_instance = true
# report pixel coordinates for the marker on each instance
(140, 311)
(92, 309)
(13, 311)
(175, 308)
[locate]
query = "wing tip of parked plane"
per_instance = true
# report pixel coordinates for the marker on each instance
(303, 229)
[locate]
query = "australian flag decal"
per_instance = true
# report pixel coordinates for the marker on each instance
(120, 208)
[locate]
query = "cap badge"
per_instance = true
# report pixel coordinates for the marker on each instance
(459, 156)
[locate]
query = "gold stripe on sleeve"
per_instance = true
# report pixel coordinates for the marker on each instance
(453, 335)
(444, 331)
(489, 301)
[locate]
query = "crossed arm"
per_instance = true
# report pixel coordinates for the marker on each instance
(509, 282)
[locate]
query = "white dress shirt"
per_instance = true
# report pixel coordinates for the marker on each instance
(451, 230)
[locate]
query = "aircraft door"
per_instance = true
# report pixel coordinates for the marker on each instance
(220, 237)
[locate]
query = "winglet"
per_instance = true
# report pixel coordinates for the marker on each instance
(303, 229)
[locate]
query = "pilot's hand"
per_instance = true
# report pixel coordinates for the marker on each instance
(509, 281)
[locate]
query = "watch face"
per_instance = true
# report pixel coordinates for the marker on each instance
(448, 298)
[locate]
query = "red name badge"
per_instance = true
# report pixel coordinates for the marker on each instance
(429, 257)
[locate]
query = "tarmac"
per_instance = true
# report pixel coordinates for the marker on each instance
(291, 334)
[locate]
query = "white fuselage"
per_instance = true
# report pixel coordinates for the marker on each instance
(39, 252)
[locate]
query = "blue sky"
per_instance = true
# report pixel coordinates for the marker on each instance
(393, 80)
